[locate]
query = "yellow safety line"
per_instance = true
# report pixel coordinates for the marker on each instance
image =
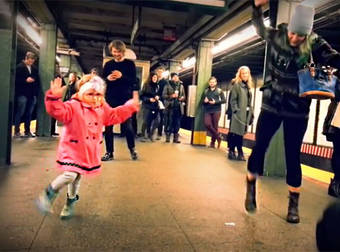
(307, 171)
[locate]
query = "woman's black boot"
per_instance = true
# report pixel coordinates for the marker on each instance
(250, 202)
(334, 188)
(231, 155)
(293, 211)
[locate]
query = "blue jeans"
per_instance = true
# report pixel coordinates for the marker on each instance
(27, 105)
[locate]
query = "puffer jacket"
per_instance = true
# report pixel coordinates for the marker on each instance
(281, 85)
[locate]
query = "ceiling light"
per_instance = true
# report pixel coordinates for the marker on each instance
(229, 42)
(32, 33)
(237, 38)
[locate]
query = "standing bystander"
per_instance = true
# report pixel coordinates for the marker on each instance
(26, 92)
(120, 76)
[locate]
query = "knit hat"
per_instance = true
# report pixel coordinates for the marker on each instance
(302, 20)
(91, 82)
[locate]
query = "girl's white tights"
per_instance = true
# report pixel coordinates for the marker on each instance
(71, 179)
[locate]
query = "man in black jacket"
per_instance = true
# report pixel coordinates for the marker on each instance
(120, 76)
(26, 91)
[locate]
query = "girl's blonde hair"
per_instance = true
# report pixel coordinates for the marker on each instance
(238, 76)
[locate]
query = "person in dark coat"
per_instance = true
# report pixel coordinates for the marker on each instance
(150, 97)
(173, 96)
(242, 112)
(290, 49)
(332, 133)
(27, 85)
(213, 98)
(162, 82)
(327, 229)
(71, 88)
(120, 76)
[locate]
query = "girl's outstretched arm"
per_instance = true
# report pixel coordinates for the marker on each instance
(120, 113)
(54, 106)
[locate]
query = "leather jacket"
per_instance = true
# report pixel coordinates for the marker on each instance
(281, 84)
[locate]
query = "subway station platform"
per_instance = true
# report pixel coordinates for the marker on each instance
(176, 197)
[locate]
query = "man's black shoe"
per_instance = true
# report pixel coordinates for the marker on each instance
(107, 157)
(28, 134)
(134, 155)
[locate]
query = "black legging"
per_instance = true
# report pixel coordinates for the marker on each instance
(294, 130)
(336, 155)
(160, 122)
(150, 120)
(125, 127)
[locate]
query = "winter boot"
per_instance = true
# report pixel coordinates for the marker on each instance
(134, 155)
(167, 138)
(240, 157)
(45, 200)
(176, 135)
(293, 211)
(150, 136)
(231, 155)
(334, 188)
(68, 208)
(250, 202)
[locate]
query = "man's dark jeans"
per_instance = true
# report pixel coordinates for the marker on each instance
(125, 127)
(25, 106)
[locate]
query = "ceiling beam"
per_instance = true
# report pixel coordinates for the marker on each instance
(211, 3)
(39, 10)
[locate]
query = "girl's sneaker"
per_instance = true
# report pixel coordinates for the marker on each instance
(68, 208)
(45, 200)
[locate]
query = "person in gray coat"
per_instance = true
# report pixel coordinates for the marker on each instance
(242, 111)
(173, 96)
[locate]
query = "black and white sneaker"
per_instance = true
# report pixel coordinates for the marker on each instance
(28, 134)
(107, 157)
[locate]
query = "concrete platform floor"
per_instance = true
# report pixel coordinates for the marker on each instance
(175, 198)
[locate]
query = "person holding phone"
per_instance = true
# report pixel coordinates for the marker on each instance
(120, 76)
(213, 98)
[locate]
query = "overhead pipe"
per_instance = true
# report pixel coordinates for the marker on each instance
(198, 30)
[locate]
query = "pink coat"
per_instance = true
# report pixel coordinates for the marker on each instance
(80, 145)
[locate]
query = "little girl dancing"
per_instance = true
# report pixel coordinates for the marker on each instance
(79, 149)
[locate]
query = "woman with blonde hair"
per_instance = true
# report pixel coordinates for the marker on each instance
(242, 112)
